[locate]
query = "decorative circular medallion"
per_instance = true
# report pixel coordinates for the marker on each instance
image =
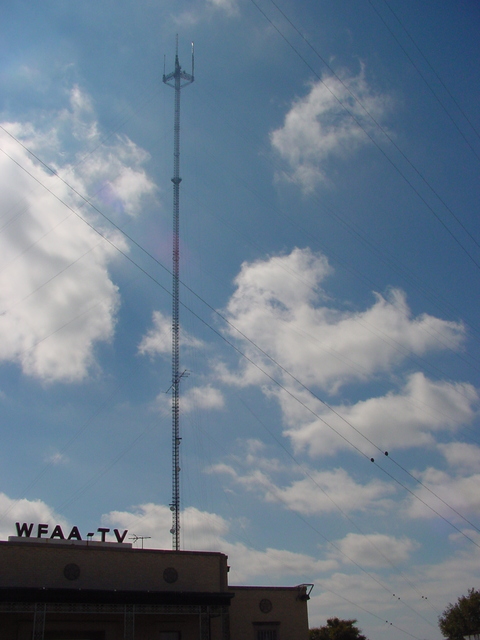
(71, 571)
(170, 575)
(265, 605)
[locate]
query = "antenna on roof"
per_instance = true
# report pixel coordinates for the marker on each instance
(176, 79)
(134, 537)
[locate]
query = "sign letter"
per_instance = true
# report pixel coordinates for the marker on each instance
(120, 538)
(42, 528)
(74, 534)
(24, 529)
(57, 533)
(103, 532)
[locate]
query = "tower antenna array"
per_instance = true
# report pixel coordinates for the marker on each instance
(177, 79)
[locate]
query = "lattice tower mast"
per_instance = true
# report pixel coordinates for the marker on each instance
(177, 79)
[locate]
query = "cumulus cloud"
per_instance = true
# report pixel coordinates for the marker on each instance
(412, 417)
(112, 176)
(279, 304)
(28, 511)
(319, 493)
(82, 115)
(374, 550)
(230, 7)
(57, 459)
(331, 491)
(200, 530)
(461, 566)
(251, 466)
(464, 457)
(200, 398)
(327, 124)
(248, 565)
(206, 10)
(459, 492)
(57, 300)
(158, 339)
(206, 397)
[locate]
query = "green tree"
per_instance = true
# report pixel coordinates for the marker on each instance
(337, 629)
(463, 618)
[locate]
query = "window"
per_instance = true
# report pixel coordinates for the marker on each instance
(266, 630)
(74, 635)
(266, 634)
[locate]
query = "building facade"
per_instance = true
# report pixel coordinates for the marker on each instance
(56, 589)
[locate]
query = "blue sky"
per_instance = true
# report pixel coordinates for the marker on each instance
(330, 265)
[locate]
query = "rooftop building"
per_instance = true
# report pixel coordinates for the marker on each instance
(54, 589)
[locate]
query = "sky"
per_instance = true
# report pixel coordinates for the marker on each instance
(330, 263)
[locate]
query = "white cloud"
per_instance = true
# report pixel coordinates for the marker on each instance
(57, 459)
(251, 454)
(117, 178)
(319, 493)
(278, 305)
(464, 457)
(206, 10)
(331, 491)
(460, 493)
(230, 7)
(82, 115)
(194, 399)
(206, 397)
(57, 300)
(200, 530)
(112, 176)
(374, 550)
(158, 339)
(409, 418)
(248, 565)
(36, 511)
(319, 127)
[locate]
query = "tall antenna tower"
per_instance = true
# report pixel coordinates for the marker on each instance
(177, 79)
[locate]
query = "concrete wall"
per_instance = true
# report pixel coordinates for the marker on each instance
(27, 564)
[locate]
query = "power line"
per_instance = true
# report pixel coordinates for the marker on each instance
(372, 139)
(451, 96)
(125, 451)
(241, 353)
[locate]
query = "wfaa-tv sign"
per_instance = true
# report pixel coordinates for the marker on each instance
(25, 530)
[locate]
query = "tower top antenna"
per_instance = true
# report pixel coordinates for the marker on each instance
(176, 79)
